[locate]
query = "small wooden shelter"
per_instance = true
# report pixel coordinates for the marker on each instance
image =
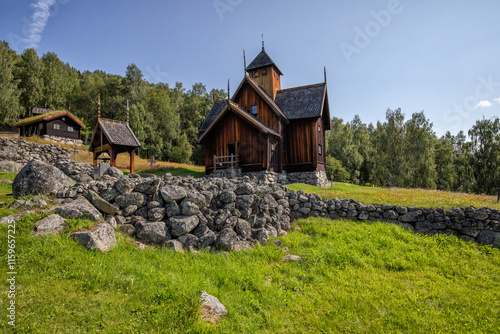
(113, 137)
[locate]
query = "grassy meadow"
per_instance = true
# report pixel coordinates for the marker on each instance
(354, 277)
(400, 196)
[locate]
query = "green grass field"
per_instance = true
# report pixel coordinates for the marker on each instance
(6, 188)
(400, 196)
(354, 277)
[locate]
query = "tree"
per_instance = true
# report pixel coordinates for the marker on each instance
(485, 147)
(445, 170)
(9, 92)
(29, 73)
(183, 150)
(334, 167)
(419, 150)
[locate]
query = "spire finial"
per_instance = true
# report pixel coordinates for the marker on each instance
(325, 73)
(262, 35)
(244, 62)
(99, 106)
(127, 112)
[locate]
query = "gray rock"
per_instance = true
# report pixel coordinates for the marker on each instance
(128, 229)
(243, 229)
(10, 166)
(261, 235)
(180, 225)
(291, 257)
(152, 232)
(172, 209)
(174, 245)
(148, 186)
(110, 194)
(227, 196)
(189, 208)
(124, 186)
(207, 239)
(390, 214)
(129, 210)
(172, 193)
(245, 189)
(111, 221)
(226, 239)
(101, 204)
(52, 224)
(156, 214)
(79, 208)
(101, 237)
(412, 216)
(211, 308)
(37, 178)
(133, 198)
(188, 241)
(114, 172)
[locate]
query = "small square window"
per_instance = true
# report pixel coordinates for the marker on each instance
(256, 74)
(57, 127)
(319, 128)
(254, 109)
(70, 129)
(320, 149)
(264, 72)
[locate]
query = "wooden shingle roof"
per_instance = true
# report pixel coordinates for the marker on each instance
(302, 102)
(262, 60)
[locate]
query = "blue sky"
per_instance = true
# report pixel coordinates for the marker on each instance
(441, 57)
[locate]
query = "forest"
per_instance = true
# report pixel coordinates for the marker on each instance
(393, 153)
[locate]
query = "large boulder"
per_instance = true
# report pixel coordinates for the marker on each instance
(37, 177)
(152, 232)
(79, 208)
(100, 237)
(173, 193)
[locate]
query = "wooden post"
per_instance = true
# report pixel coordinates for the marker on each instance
(231, 161)
(132, 154)
(95, 158)
(112, 157)
(215, 162)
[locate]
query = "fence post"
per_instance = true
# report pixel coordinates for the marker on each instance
(215, 162)
(231, 161)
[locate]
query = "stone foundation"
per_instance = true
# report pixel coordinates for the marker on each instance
(315, 178)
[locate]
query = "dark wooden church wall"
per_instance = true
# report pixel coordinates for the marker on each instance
(249, 144)
(248, 97)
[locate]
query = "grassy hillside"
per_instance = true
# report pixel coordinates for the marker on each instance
(400, 196)
(354, 277)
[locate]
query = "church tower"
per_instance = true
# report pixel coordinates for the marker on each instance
(265, 72)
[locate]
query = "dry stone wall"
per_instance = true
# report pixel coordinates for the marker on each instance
(18, 152)
(234, 213)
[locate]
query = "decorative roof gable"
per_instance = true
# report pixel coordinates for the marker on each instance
(117, 133)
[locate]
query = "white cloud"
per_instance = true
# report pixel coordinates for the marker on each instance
(484, 104)
(497, 100)
(38, 22)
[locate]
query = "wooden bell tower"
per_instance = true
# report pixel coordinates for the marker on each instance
(265, 72)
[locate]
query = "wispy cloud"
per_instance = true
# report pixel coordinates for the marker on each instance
(38, 22)
(497, 100)
(484, 104)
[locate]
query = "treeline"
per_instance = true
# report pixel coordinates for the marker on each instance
(399, 153)
(165, 119)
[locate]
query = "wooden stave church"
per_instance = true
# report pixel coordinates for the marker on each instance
(287, 133)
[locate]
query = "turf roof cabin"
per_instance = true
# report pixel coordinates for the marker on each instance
(265, 127)
(46, 122)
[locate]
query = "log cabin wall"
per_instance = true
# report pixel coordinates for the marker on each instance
(249, 97)
(301, 142)
(249, 144)
(62, 131)
(320, 143)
